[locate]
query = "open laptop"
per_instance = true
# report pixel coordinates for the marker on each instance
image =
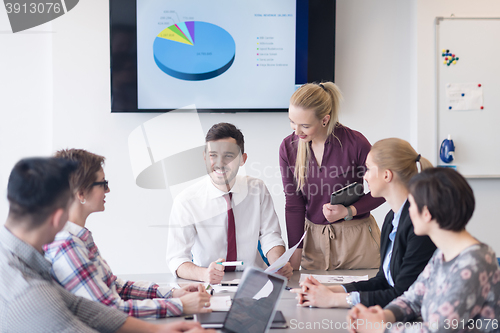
(254, 305)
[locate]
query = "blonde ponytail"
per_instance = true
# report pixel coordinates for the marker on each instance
(398, 156)
(324, 99)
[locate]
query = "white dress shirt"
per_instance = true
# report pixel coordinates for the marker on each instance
(198, 224)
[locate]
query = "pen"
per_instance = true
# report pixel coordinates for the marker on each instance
(209, 289)
(231, 263)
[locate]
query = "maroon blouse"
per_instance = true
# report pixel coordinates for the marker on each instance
(343, 163)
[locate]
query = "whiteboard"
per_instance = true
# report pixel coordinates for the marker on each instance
(475, 132)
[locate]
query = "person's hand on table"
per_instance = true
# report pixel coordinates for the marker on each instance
(189, 288)
(352, 316)
(182, 326)
(334, 212)
(361, 316)
(196, 302)
(313, 293)
(286, 271)
(300, 295)
(214, 273)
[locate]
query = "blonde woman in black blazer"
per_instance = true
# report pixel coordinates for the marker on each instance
(410, 254)
(390, 165)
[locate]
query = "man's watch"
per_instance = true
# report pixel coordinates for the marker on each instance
(349, 214)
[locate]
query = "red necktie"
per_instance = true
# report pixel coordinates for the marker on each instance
(231, 234)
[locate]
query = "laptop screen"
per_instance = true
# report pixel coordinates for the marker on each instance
(255, 302)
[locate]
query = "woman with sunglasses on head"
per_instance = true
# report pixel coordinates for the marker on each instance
(78, 266)
(320, 157)
(459, 289)
(389, 167)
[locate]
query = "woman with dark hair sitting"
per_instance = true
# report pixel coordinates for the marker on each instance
(459, 289)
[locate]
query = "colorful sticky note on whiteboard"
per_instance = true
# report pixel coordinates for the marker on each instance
(464, 96)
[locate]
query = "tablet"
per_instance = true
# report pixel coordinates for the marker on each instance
(348, 195)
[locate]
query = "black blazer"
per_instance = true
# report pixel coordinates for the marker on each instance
(410, 254)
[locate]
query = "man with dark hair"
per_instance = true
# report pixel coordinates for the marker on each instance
(226, 130)
(30, 301)
(223, 217)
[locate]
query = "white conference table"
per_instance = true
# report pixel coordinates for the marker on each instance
(299, 319)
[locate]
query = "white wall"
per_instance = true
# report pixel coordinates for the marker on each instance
(484, 224)
(57, 96)
(25, 98)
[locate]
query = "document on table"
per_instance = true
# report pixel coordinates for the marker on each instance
(220, 303)
(335, 278)
(224, 289)
(285, 257)
(227, 286)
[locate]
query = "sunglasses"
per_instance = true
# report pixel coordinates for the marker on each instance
(103, 183)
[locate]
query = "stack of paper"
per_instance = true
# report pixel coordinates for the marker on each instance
(220, 303)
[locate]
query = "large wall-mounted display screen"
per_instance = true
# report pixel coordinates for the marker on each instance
(220, 55)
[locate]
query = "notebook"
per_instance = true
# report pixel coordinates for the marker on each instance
(254, 305)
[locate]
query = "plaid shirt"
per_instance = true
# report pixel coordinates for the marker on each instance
(78, 266)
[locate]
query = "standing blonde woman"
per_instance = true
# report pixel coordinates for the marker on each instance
(390, 165)
(320, 157)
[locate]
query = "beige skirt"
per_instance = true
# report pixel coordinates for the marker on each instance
(351, 244)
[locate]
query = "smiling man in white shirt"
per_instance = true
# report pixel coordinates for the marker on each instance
(223, 217)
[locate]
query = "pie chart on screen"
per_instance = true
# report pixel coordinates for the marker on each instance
(194, 50)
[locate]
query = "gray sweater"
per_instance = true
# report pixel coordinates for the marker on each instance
(30, 301)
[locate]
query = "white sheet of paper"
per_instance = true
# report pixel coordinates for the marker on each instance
(285, 257)
(335, 278)
(464, 96)
(224, 289)
(220, 303)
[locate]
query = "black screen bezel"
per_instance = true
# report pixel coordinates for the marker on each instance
(320, 56)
